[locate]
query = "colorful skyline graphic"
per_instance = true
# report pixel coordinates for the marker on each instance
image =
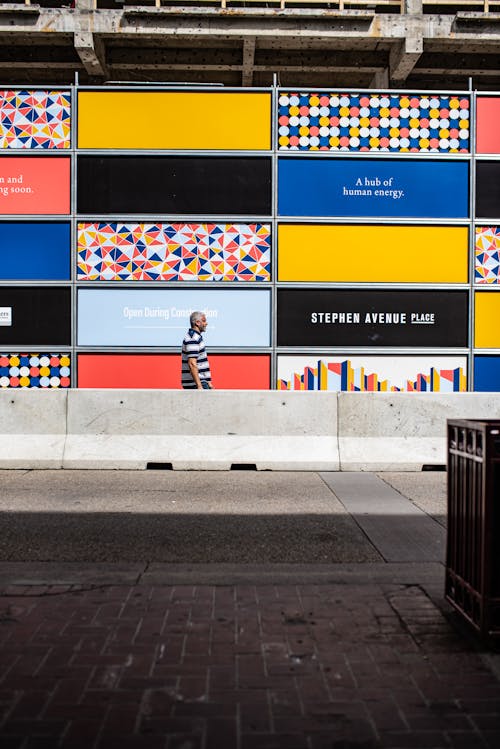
(361, 375)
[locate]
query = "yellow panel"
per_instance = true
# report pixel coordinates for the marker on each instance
(174, 120)
(384, 254)
(487, 315)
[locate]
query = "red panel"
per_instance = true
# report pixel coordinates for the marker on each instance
(240, 371)
(34, 185)
(162, 371)
(129, 371)
(488, 125)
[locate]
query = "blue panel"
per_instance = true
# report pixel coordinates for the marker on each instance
(34, 251)
(372, 187)
(160, 317)
(487, 374)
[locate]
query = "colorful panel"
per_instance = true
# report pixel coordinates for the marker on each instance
(373, 373)
(488, 189)
(373, 187)
(35, 316)
(373, 122)
(35, 119)
(42, 370)
(174, 120)
(170, 185)
(34, 251)
(160, 317)
(487, 255)
(367, 317)
(487, 315)
(371, 254)
(34, 185)
(173, 252)
(487, 116)
(162, 371)
(487, 374)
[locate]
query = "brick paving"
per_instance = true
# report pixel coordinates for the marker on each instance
(330, 666)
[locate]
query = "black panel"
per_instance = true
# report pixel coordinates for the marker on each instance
(174, 185)
(488, 189)
(321, 317)
(40, 315)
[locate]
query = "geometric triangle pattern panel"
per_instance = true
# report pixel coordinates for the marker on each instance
(116, 251)
(35, 119)
(487, 255)
(342, 376)
(35, 370)
(373, 122)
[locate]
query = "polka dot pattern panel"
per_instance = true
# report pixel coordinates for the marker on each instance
(43, 370)
(373, 122)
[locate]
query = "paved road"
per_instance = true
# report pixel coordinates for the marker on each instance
(239, 610)
(179, 517)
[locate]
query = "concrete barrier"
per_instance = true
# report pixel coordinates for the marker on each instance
(32, 428)
(273, 430)
(200, 430)
(403, 431)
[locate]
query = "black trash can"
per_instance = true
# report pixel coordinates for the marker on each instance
(473, 541)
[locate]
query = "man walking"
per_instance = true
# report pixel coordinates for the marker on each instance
(195, 367)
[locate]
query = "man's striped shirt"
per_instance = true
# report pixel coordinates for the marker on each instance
(193, 346)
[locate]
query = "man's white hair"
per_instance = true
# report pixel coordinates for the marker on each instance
(195, 316)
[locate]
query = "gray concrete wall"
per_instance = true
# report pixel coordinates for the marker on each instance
(202, 430)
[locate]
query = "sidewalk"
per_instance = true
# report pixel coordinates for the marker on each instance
(240, 609)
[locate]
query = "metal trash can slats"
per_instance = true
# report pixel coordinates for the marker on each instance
(473, 540)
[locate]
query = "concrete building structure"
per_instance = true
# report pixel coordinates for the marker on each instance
(421, 44)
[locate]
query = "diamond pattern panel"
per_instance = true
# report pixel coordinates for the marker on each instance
(35, 119)
(173, 252)
(487, 255)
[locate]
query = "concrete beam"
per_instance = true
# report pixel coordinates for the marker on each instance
(6, 66)
(231, 54)
(158, 58)
(248, 61)
(91, 51)
(412, 7)
(458, 72)
(380, 80)
(404, 56)
(326, 68)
